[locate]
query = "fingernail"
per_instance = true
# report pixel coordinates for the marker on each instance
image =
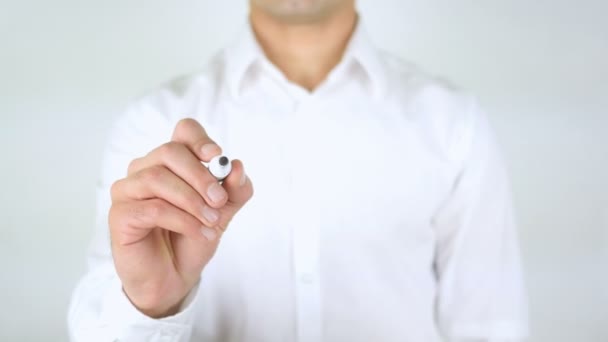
(210, 214)
(216, 193)
(210, 150)
(209, 233)
(243, 179)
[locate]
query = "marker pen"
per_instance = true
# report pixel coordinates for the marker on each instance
(220, 167)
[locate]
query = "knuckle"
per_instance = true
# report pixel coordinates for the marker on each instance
(112, 216)
(133, 166)
(186, 124)
(143, 212)
(117, 222)
(154, 173)
(153, 210)
(167, 150)
(115, 189)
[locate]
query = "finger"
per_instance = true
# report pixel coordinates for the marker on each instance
(133, 221)
(159, 182)
(190, 133)
(180, 160)
(237, 185)
(239, 189)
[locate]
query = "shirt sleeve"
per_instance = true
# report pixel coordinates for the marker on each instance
(481, 294)
(99, 309)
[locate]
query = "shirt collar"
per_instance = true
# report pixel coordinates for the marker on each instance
(239, 57)
(361, 50)
(245, 51)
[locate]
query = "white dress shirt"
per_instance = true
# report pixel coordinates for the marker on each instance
(381, 211)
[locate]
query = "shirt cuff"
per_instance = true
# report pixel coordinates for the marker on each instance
(127, 323)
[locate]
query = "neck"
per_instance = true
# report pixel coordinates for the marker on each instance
(305, 52)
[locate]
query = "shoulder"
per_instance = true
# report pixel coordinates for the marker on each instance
(411, 85)
(443, 112)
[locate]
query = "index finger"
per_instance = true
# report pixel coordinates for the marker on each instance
(190, 133)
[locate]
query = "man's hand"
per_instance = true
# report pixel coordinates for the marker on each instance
(167, 217)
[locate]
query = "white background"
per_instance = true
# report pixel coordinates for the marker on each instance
(540, 68)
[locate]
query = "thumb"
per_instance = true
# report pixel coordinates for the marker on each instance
(239, 189)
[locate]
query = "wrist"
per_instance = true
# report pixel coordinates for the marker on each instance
(156, 307)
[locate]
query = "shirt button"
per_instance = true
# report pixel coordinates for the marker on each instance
(306, 278)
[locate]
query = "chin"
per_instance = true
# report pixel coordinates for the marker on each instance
(298, 10)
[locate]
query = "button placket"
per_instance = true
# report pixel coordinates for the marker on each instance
(305, 233)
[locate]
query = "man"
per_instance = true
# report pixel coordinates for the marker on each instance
(381, 210)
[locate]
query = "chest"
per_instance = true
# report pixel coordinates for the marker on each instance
(347, 165)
